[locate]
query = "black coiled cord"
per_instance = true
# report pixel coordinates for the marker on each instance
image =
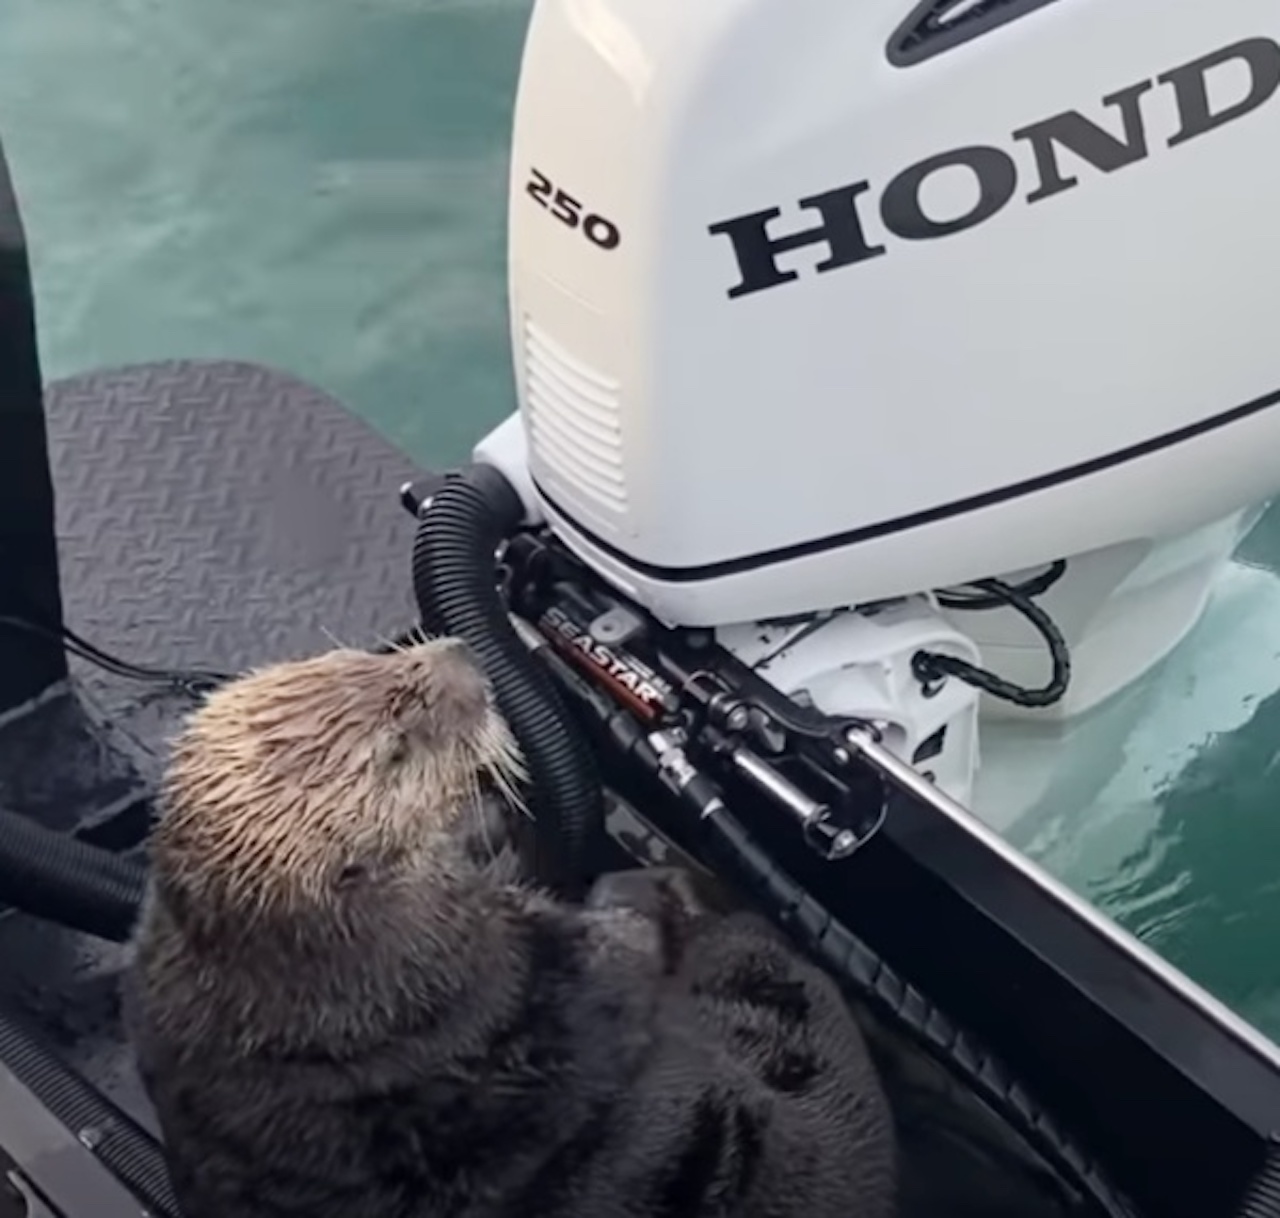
(931, 667)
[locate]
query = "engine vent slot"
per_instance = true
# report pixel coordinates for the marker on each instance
(938, 25)
(575, 422)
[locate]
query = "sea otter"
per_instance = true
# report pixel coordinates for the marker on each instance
(347, 1002)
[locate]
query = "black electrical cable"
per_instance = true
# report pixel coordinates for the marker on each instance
(195, 681)
(1037, 585)
(930, 667)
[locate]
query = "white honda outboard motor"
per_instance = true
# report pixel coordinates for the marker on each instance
(924, 354)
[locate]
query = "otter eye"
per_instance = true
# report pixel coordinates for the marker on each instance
(351, 875)
(399, 752)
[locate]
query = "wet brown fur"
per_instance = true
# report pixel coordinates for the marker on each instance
(292, 784)
(347, 1002)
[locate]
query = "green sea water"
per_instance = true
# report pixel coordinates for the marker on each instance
(320, 185)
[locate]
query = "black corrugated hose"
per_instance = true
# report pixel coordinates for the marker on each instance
(1263, 1197)
(454, 580)
(123, 1146)
(56, 877)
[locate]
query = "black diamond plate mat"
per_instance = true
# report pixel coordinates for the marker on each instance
(212, 515)
(221, 515)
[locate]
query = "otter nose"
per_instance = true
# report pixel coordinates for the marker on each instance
(462, 651)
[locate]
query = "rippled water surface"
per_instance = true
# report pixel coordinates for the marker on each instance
(320, 185)
(1165, 806)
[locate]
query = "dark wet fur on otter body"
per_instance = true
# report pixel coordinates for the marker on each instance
(433, 1038)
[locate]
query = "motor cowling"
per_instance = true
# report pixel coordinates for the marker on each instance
(829, 303)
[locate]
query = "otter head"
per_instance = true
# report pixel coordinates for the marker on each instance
(303, 784)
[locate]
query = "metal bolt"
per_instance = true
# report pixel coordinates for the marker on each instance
(845, 840)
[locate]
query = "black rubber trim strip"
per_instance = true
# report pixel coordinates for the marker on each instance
(765, 558)
(910, 45)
